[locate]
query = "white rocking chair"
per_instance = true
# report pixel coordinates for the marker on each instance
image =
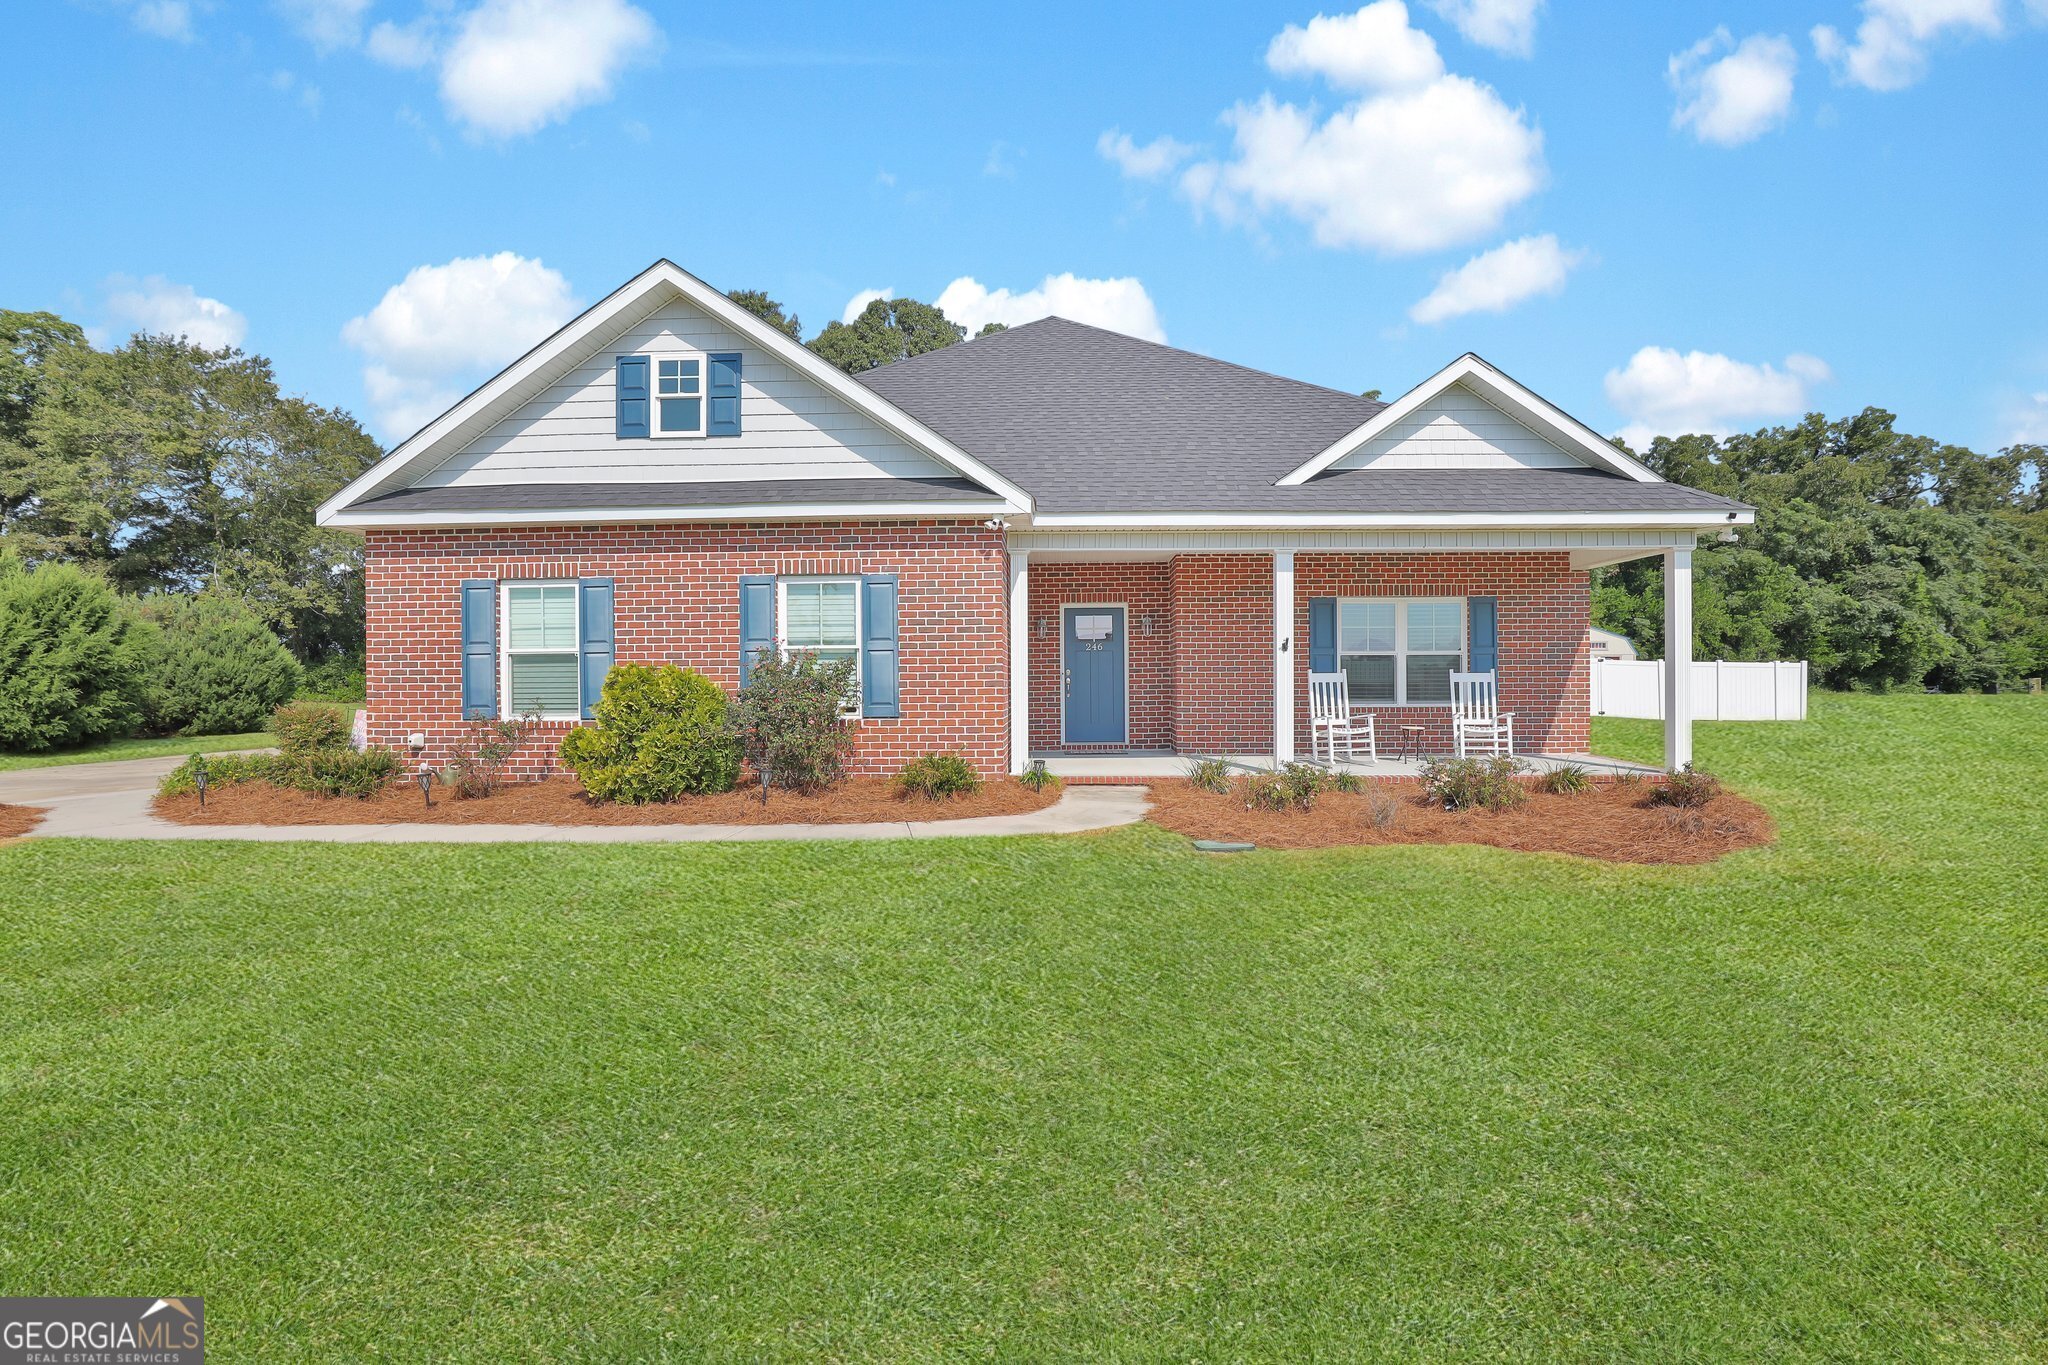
(1478, 725)
(1331, 721)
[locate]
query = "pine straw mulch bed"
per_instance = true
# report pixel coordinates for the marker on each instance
(1613, 821)
(561, 801)
(16, 821)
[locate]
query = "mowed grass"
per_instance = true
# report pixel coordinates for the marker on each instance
(1094, 1097)
(113, 750)
(174, 746)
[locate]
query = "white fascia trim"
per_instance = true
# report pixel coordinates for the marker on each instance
(581, 331)
(1496, 387)
(1432, 520)
(617, 516)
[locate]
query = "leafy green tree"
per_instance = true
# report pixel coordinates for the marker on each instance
(1885, 559)
(174, 467)
(758, 303)
(219, 670)
(887, 330)
(74, 659)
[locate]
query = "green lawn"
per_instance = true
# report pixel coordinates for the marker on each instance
(113, 749)
(1093, 1097)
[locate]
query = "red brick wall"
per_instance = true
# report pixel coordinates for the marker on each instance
(1143, 589)
(1545, 610)
(677, 601)
(1223, 653)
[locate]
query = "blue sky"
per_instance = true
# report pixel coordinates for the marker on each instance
(1670, 216)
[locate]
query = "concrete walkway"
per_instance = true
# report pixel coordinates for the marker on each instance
(111, 801)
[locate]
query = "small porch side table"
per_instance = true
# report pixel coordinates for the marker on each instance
(1408, 743)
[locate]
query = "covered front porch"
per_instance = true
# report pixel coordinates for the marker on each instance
(1131, 651)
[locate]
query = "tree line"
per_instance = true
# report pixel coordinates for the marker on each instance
(1885, 559)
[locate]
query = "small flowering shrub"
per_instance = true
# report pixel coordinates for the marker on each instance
(1474, 783)
(937, 776)
(1687, 788)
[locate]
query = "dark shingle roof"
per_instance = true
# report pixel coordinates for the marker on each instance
(1089, 420)
(534, 497)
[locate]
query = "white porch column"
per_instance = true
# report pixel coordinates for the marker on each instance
(1020, 660)
(1283, 657)
(1677, 658)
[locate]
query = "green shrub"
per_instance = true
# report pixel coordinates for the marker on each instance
(1038, 779)
(224, 770)
(1302, 783)
(937, 776)
(1262, 791)
(74, 659)
(1474, 783)
(334, 680)
(344, 772)
(1567, 779)
(1210, 774)
(1351, 784)
(305, 728)
(220, 671)
(791, 722)
(1687, 788)
(661, 732)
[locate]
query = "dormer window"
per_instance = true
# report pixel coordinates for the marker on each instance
(678, 395)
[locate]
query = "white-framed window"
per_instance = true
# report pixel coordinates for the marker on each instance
(679, 398)
(540, 671)
(821, 616)
(1399, 651)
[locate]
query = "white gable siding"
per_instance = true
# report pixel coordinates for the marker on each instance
(1458, 429)
(790, 428)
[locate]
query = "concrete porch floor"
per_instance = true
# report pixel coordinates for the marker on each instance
(1144, 763)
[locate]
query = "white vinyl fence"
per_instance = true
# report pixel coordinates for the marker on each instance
(1720, 691)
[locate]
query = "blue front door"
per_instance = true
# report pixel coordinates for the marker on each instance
(1092, 662)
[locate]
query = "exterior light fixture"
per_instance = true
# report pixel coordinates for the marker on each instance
(427, 787)
(199, 781)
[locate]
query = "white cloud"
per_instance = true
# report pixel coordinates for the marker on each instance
(1506, 26)
(443, 327)
(407, 46)
(1121, 305)
(327, 24)
(157, 305)
(1889, 51)
(1151, 160)
(1416, 170)
(1737, 97)
(1663, 393)
(856, 305)
(1495, 281)
(2028, 421)
(164, 18)
(518, 65)
(1372, 49)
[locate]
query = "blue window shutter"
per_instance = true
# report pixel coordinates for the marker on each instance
(594, 610)
(722, 388)
(1322, 635)
(1485, 613)
(480, 648)
(632, 396)
(757, 621)
(878, 683)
